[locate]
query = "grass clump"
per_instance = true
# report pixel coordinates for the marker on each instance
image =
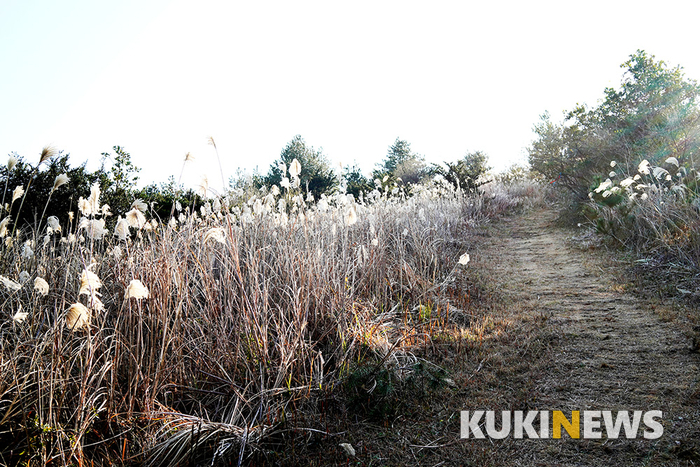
(653, 213)
(200, 338)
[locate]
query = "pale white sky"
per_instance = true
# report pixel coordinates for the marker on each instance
(159, 77)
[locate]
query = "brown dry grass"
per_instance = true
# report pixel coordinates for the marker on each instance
(492, 352)
(262, 317)
(284, 342)
(563, 335)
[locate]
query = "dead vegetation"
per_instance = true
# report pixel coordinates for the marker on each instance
(562, 335)
(230, 334)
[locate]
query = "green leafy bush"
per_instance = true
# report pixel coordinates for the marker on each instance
(652, 116)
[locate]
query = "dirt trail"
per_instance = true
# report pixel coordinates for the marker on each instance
(611, 351)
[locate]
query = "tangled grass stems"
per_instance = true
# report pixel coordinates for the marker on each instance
(250, 311)
(654, 213)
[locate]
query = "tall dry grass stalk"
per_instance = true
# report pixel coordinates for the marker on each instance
(211, 141)
(11, 163)
(46, 153)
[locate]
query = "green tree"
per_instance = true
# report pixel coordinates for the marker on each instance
(513, 174)
(116, 186)
(653, 115)
(398, 153)
(316, 174)
(119, 182)
(355, 181)
(569, 154)
(467, 172)
(246, 182)
(162, 197)
(401, 162)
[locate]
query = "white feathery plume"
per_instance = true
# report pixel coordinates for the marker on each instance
(204, 186)
(673, 161)
(27, 252)
(94, 198)
(20, 316)
(136, 290)
(604, 186)
(140, 205)
(121, 229)
(135, 218)
(216, 233)
(94, 228)
(3, 226)
(84, 206)
(41, 286)
(643, 167)
(53, 223)
(9, 284)
(77, 317)
(295, 168)
(47, 153)
(350, 215)
(89, 282)
(60, 180)
(17, 193)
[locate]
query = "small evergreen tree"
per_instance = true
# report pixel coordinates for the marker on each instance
(316, 174)
(467, 173)
(118, 183)
(401, 163)
(355, 181)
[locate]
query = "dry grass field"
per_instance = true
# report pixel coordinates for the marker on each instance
(281, 330)
(232, 333)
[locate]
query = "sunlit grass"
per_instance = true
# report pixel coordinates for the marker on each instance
(195, 337)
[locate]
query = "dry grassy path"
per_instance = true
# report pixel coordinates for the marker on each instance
(611, 351)
(557, 333)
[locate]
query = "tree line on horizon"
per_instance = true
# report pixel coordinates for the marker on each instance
(117, 177)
